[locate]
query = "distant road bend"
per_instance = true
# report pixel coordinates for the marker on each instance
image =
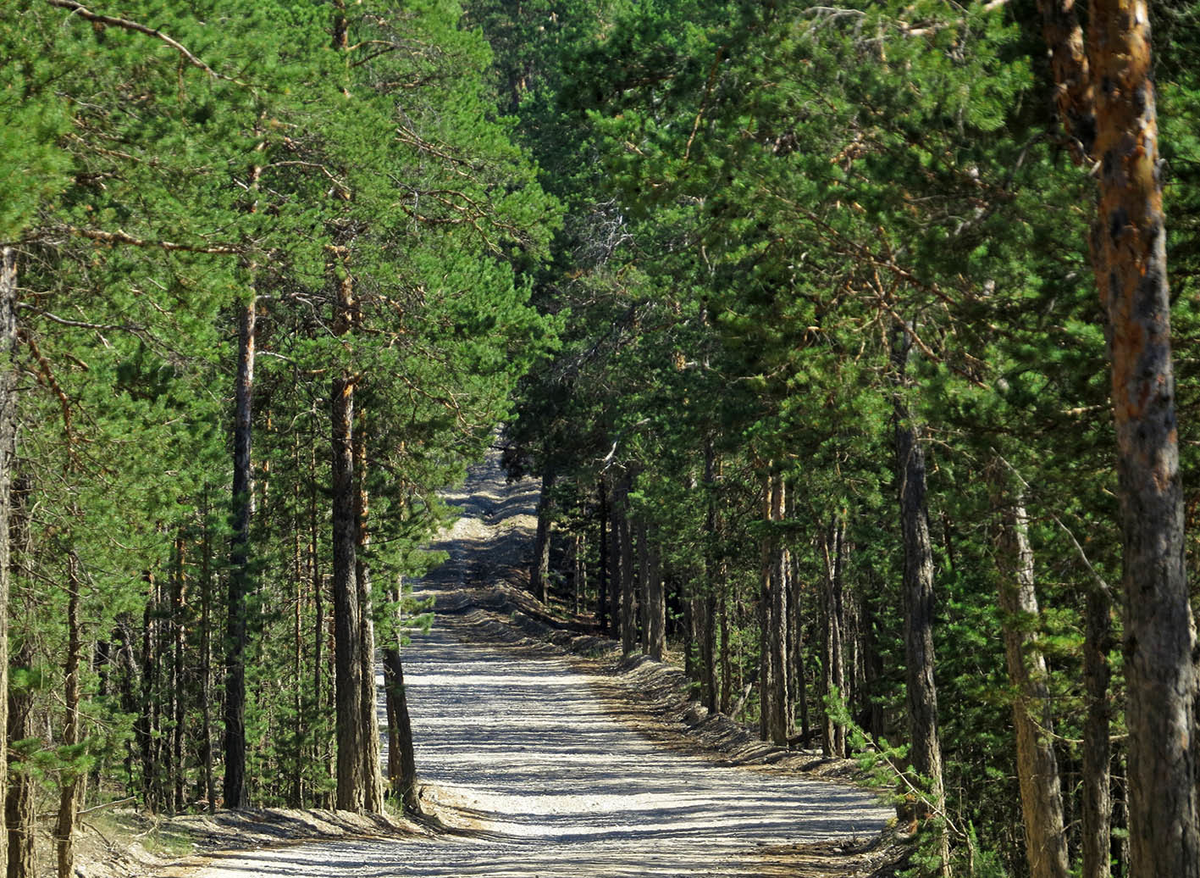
(558, 787)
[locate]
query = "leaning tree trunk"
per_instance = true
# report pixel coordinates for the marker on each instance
(402, 764)
(1037, 765)
(926, 751)
(8, 436)
(239, 584)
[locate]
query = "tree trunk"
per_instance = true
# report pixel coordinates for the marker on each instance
(616, 567)
(72, 788)
(833, 734)
(351, 784)
(239, 574)
(780, 726)
(1097, 749)
(926, 750)
(1037, 765)
(178, 690)
(656, 601)
(20, 806)
(208, 793)
(540, 574)
(625, 539)
(373, 790)
(402, 765)
(8, 440)
(602, 548)
(1107, 105)
(1160, 634)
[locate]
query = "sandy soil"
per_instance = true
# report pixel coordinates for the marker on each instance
(545, 764)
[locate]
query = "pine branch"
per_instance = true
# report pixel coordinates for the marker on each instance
(120, 237)
(124, 23)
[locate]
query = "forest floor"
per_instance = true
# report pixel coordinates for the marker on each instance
(543, 752)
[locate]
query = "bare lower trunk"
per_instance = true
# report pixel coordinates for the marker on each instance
(625, 539)
(20, 806)
(8, 435)
(373, 789)
(779, 722)
(833, 733)
(926, 749)
(1037, 765)
(73, 780)
(351, 782)
(243, 510)
(602, 548)
(1097, 750)
(402, 765)
(540, 575)
(655, 600)
(1160, 633)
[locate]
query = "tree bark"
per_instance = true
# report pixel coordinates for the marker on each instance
(1160, 633)
(351, 783)
(540, 574)
(602, 547)
(72, 788)
(656, 601)
(778, 720)
(1097, 749)
(1037, 765)
(926, 751)
(20, 806)
(1107, 105)
(625, 541)
(373, 790)
(833, 734)
(239, 575)
(209, 793)
(8, 441)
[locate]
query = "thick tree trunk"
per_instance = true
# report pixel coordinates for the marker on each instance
(1160, 633)
(373, 789)
(1107, 105)
(1037, 765)
(926, 749)
(8, 438)
(20, 806)
(72, 788)
(239, 577)
(351, 782)
(540, 574)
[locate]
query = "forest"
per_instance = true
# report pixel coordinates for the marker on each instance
(840, 340)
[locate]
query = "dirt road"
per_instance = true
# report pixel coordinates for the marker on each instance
(524, 750)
